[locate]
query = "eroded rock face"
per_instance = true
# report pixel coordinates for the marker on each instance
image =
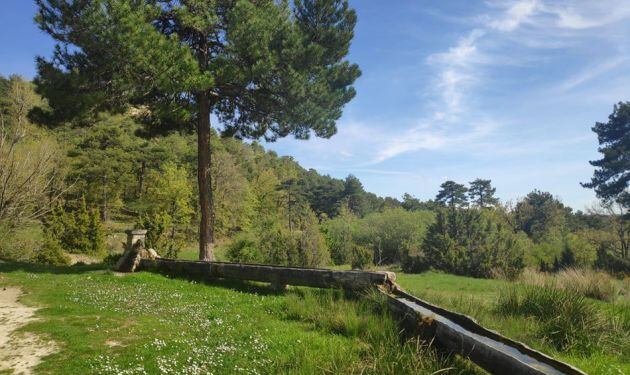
(20, 352)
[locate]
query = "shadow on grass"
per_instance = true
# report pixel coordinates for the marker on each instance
(243, 286)
(9, 267)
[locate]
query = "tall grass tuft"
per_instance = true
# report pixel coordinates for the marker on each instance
(583, 281)
(368, 320)
(567, 319)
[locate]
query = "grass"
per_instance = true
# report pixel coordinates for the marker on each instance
(583, 281)
(588, 333)
(567, 320)
(147, 324)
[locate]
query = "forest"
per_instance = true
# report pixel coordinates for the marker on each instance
(78, 181)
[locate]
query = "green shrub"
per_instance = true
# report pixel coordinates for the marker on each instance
(112, 259)
(51, 253)
(302, 248)
(77, 231)
(244, 249)
(361, 257)
(161, 234)
(414, 261)
(474, 242)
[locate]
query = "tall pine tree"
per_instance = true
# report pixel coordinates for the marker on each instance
(265, 68)
(481, 193)
(452, 194)
(612, 174)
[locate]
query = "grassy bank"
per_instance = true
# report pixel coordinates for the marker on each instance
(147, 324)
(588, 333)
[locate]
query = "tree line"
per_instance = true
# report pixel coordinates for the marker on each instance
(268, 208)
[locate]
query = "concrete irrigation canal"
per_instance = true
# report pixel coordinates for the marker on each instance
(447, 330)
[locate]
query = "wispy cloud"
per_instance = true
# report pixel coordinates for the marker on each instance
(589, 74)
(516, 14)
(462, 68)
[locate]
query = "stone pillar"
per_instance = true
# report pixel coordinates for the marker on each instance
(134, 236)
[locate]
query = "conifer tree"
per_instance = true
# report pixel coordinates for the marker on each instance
(264, 68)
(452, 194)
(481, 193)
(611, 179)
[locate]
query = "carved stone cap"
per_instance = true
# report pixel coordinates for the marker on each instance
(136, 231)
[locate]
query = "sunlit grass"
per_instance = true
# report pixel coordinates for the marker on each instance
(148, 324)
(483, 298)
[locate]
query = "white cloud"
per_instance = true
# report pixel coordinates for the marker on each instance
(462, 68)
(515, 15)
(589, 73)
(587, 14)
(423, 137)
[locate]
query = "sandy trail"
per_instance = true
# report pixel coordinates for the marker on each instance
(19, 351)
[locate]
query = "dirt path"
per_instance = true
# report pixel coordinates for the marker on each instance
(19, 351)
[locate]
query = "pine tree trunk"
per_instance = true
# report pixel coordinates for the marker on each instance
(206, 230)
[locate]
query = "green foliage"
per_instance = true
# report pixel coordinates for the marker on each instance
(161, 234)
(392, 234)
(568, 320)
(245, 249)
(339, 234)
(303, 246)
(473, 242)
(51, 253)
(102, 162)
(612, 174)
(361, 257)
(31, 161)
(78, 231)
(452, 194)
(541, 216)
(481, 193)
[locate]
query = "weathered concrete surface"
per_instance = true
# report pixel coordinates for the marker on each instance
(278, 276)
(450, 331)
(460, 334)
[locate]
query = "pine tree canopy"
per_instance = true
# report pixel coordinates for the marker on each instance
(612, 174)
(270, 68)
(452, 194)
(265, 68)
(481, 193)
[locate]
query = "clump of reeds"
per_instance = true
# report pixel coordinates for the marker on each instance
(583, 281)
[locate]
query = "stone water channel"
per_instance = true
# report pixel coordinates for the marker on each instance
(449, 331)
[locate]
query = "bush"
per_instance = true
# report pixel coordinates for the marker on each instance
(51, 253)
(338, 234)
(390, 234)
(244, 249)
(474, 242)
(414, 261)
(112, 259)
(302, 248)
(78, 231)
(161, 234)
(361, 257)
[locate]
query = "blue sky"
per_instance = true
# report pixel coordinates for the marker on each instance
(505, 90)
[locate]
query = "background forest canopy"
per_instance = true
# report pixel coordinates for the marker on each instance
(77, 181)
